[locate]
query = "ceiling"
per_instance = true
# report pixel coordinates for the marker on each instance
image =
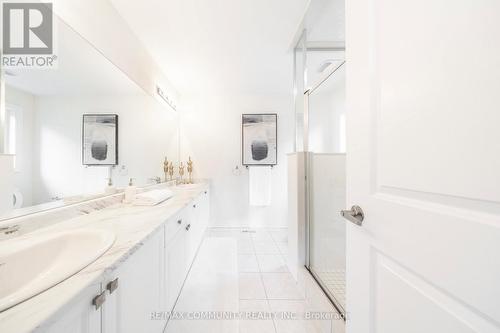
(219, 45)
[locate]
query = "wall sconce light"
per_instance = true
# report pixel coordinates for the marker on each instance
(165, 98)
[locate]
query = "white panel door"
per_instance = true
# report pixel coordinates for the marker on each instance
(423, 161)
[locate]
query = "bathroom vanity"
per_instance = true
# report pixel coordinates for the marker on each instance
(131, 286)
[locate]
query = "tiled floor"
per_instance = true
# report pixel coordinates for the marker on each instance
(244, 272)
(334, 280)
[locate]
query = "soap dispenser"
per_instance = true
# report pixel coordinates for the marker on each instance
(130, 191)
(110, 189)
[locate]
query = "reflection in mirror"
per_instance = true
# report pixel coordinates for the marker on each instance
(43, 129)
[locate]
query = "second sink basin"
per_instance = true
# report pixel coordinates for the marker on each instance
(31, 265)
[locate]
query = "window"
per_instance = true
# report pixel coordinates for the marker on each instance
(13, 131)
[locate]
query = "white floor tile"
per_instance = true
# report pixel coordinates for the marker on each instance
(224, 233)
(281, 286)
(226, 277)
(261, 235)
(279, 235)
(283, 247)
(247, 263)
(212, 285)
(257, 316)
(271, 263)
(296, 318)
(250, 286)
(202, 326)
(316, 297)
(265, 247)
(338, 326)
(243, 234)
(245, 246)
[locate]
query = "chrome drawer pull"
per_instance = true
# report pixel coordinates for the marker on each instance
(112, 285)
(99, 300)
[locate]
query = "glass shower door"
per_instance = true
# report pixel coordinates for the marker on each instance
(327, 184)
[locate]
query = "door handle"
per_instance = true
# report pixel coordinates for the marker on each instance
(354, 215)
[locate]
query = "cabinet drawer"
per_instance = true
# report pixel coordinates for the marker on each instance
(173, 225)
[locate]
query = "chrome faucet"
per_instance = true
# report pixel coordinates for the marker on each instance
(9, 229)
(156, 180)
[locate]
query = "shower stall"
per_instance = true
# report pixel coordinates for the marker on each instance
(321, 134)
(326, 183)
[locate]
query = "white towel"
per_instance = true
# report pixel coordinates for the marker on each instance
(153, 197)
(260, 186)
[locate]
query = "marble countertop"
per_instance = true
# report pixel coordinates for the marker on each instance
(132, 226)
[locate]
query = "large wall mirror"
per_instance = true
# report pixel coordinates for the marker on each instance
(43, 128)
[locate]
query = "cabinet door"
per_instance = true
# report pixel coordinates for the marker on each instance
(198, 223)
(191, 230)
(204, 210)
(79, 316)
(175, 263)
(138, 296)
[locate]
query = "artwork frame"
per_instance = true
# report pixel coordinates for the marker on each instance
(100, 139)
(259, 139)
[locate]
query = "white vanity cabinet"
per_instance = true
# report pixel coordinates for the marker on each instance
(145, 284)
(175, 258)
(198, 215)
(79, 316)
(183, 238)
(134, 292)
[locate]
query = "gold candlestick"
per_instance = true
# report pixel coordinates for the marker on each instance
(165, 168)
(190, 170)
(181, 172)
(171, 170)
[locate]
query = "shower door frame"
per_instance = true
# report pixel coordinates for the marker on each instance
(307, 167)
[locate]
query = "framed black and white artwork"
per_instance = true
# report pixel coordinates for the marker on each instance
(259, 139)
(100, 139)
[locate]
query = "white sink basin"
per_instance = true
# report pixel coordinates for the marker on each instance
(31, 265)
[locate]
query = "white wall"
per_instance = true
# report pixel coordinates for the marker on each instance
(296, 167)
(23, 102)
(147, 133)
(211, 135)
(99, 23)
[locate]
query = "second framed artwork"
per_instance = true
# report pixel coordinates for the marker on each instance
(259, 139)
